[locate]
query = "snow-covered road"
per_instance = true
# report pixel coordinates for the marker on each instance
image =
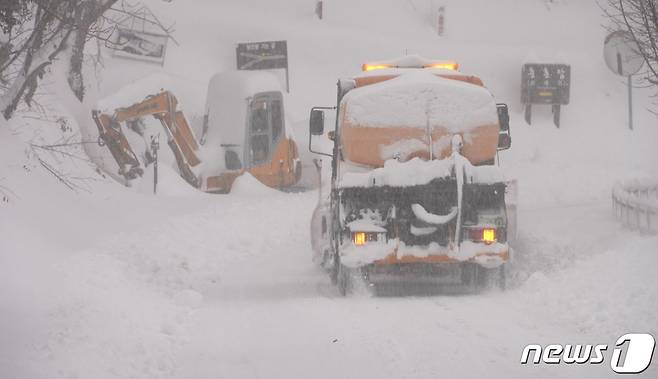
(110, 282)
(271, 313)
(211, 286)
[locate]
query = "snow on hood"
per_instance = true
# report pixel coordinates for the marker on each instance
(417, 97)
(418, 172)
(365, 226)
(394, 173)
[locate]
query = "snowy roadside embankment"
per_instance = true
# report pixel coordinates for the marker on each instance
(100, 280)
(78, 294)
(609, 294)
(635, 203)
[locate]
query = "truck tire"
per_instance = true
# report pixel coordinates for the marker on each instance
(333, 271)
(502, 277)
(345, 280)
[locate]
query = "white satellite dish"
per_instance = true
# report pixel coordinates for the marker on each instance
(621, 53)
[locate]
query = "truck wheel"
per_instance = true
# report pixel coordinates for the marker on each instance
(345, 282)
(501, 282)
(471, 277)
(333, 271)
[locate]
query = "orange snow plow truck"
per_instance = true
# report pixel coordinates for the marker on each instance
(416, 195)
(244, 130)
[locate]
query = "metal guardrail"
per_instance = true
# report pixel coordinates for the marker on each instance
(635, 203)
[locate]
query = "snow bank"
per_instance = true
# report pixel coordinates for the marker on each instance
(170, 183)
(622, 298)
(138, 90)
(417, 99)
(638, 193)
(247, 185)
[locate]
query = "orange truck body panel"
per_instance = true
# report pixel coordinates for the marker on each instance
(362, 145)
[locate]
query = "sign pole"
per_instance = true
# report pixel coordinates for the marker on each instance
(620, 52)
(630, 102)
(556, 115)
(155, 146)
(287, 80)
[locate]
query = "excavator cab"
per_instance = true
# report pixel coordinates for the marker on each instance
(245, 117)
(265, 127)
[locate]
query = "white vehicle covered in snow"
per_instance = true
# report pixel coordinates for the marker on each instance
(416, 195)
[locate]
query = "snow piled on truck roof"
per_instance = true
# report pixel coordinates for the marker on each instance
(417, 97)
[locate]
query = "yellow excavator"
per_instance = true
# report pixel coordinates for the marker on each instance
(265, 148)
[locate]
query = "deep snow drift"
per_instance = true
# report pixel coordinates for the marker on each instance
(100, 280)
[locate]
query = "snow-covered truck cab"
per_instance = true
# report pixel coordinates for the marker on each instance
(245, 125)
(415, 191)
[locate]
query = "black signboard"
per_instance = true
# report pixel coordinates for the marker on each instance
(266, 55)
(545, 83)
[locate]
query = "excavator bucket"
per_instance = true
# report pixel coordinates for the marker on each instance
(111, 136)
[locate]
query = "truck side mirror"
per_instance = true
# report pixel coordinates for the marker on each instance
(316, 123)
(503, 117)
(504, 136)
(504, 141)
(316, 127)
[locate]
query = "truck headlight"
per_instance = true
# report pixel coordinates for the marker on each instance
(361, 238)
(488, 235)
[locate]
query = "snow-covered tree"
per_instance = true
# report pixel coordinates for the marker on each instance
(36, 32)
(640, 18)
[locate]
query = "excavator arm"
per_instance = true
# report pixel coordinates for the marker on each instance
(180, 136)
